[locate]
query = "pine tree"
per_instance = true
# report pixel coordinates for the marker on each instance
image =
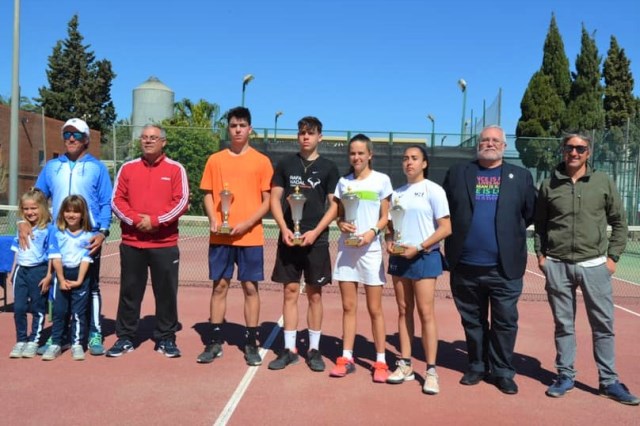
(619, 103)
(79, 86)
(555, 62)
(585, 110)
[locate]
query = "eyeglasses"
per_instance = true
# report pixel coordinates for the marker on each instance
(488, 140)
(580, 149)
(79, 136)
(152, 138)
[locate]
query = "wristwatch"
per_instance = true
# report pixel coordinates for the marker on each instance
(104, 232)
(614, 258)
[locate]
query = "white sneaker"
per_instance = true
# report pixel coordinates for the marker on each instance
(431, 386)
(52, 352)
(77, 353)
(16, 352)
(403, 373)
(30, 350)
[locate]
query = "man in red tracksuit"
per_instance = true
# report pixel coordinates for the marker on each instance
(150, 194)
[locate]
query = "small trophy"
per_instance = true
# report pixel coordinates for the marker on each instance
(397, 217)
(296, 201)
(350, 202)
(225, 201)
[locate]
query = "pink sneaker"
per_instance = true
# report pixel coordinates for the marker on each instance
(343, 367)
(380, 372)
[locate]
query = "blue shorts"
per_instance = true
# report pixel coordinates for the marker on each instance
(424, 265)
(250, 261)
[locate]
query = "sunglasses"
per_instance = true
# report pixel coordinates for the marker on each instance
(76, 135)
(580, 149)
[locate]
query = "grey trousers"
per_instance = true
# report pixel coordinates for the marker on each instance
(563, 280)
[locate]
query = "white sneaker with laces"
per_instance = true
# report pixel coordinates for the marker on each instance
(431, 386)
(403, 373)
(77, 353)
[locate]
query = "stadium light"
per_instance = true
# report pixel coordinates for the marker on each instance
(433, 130)
(246, 80)
(275, 126)
(463, 86)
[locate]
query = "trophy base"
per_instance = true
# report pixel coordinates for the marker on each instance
(398, 250)
(297, 241)
(352, 241)
(224, 229)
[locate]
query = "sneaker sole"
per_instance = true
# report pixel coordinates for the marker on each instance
(97, 352)
(168, 355)
(116, 355)
(402, 380)
(317, 369)
(430, 391)
(208, 361)
(613, 398)
(278, 367)
(558, 395)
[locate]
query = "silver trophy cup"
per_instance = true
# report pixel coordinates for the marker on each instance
(350, 202)
(397, 218)
(296, 202)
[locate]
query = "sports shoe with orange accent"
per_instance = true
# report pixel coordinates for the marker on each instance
(380, 372)
(343, 367)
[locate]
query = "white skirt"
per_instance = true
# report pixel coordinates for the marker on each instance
(357, 264)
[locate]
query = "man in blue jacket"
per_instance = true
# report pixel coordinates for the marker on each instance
(78, 172)
(491, 204)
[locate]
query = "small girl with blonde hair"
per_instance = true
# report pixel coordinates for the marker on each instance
(69, 252)
(31, 274)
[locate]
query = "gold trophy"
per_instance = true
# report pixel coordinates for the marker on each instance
(225, 200)
(296, 202)
(350, 202)
(397, 218)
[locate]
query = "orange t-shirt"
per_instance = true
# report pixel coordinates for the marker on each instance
(247, 176)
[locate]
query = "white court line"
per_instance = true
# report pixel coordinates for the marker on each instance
(616, 306)
(233, 402)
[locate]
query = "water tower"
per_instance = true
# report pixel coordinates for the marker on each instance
(152, 103)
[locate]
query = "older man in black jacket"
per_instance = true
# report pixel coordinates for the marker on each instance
(491, 204)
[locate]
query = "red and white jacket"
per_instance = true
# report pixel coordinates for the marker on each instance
(160, 190)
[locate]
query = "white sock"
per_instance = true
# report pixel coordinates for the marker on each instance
(381, 358)
(347, 354)
(314, 339)
(290, 339)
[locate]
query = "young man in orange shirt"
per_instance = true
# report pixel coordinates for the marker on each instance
(246, 173)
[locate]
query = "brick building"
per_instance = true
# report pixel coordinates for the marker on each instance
(39, 140)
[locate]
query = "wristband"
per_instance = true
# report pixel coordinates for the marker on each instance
(375, 230)
(104, 232)
(420, 248)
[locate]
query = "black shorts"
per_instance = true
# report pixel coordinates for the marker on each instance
(291, 262)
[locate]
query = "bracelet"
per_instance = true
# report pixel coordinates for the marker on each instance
(375, 230)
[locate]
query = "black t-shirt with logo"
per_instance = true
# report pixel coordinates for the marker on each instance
(316, 179)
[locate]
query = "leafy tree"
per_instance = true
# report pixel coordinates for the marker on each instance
(585, 110)
(555, 62)
(539, 123)
(190, 140)
(619, 103)
(79, 86)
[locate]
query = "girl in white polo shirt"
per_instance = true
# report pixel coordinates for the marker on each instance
(414, 271)
(362, 263)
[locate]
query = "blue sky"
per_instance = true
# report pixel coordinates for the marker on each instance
(376, 65)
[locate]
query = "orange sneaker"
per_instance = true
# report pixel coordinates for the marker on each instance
(380, 372)
(343, 367)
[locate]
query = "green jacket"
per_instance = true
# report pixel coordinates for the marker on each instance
(571, 219)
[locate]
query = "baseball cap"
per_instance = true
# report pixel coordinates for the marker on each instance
(79, 125)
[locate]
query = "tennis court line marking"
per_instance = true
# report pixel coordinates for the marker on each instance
(233, 402)
(629, 311)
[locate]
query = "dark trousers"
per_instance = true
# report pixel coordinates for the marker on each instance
(135, 264)
(70, 303)
(95, 304)
(476, 290)
(28, 297)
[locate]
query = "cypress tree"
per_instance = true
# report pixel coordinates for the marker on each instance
(619, 102)
(555, 62)
(79, 86)
(585, 109)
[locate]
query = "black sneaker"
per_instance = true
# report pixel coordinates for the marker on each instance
(251, 355)
(211, 352)
(285, 358)
(168, 348)
(121, 347)
(315, 361)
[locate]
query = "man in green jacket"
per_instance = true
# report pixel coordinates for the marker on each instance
(574, 207)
